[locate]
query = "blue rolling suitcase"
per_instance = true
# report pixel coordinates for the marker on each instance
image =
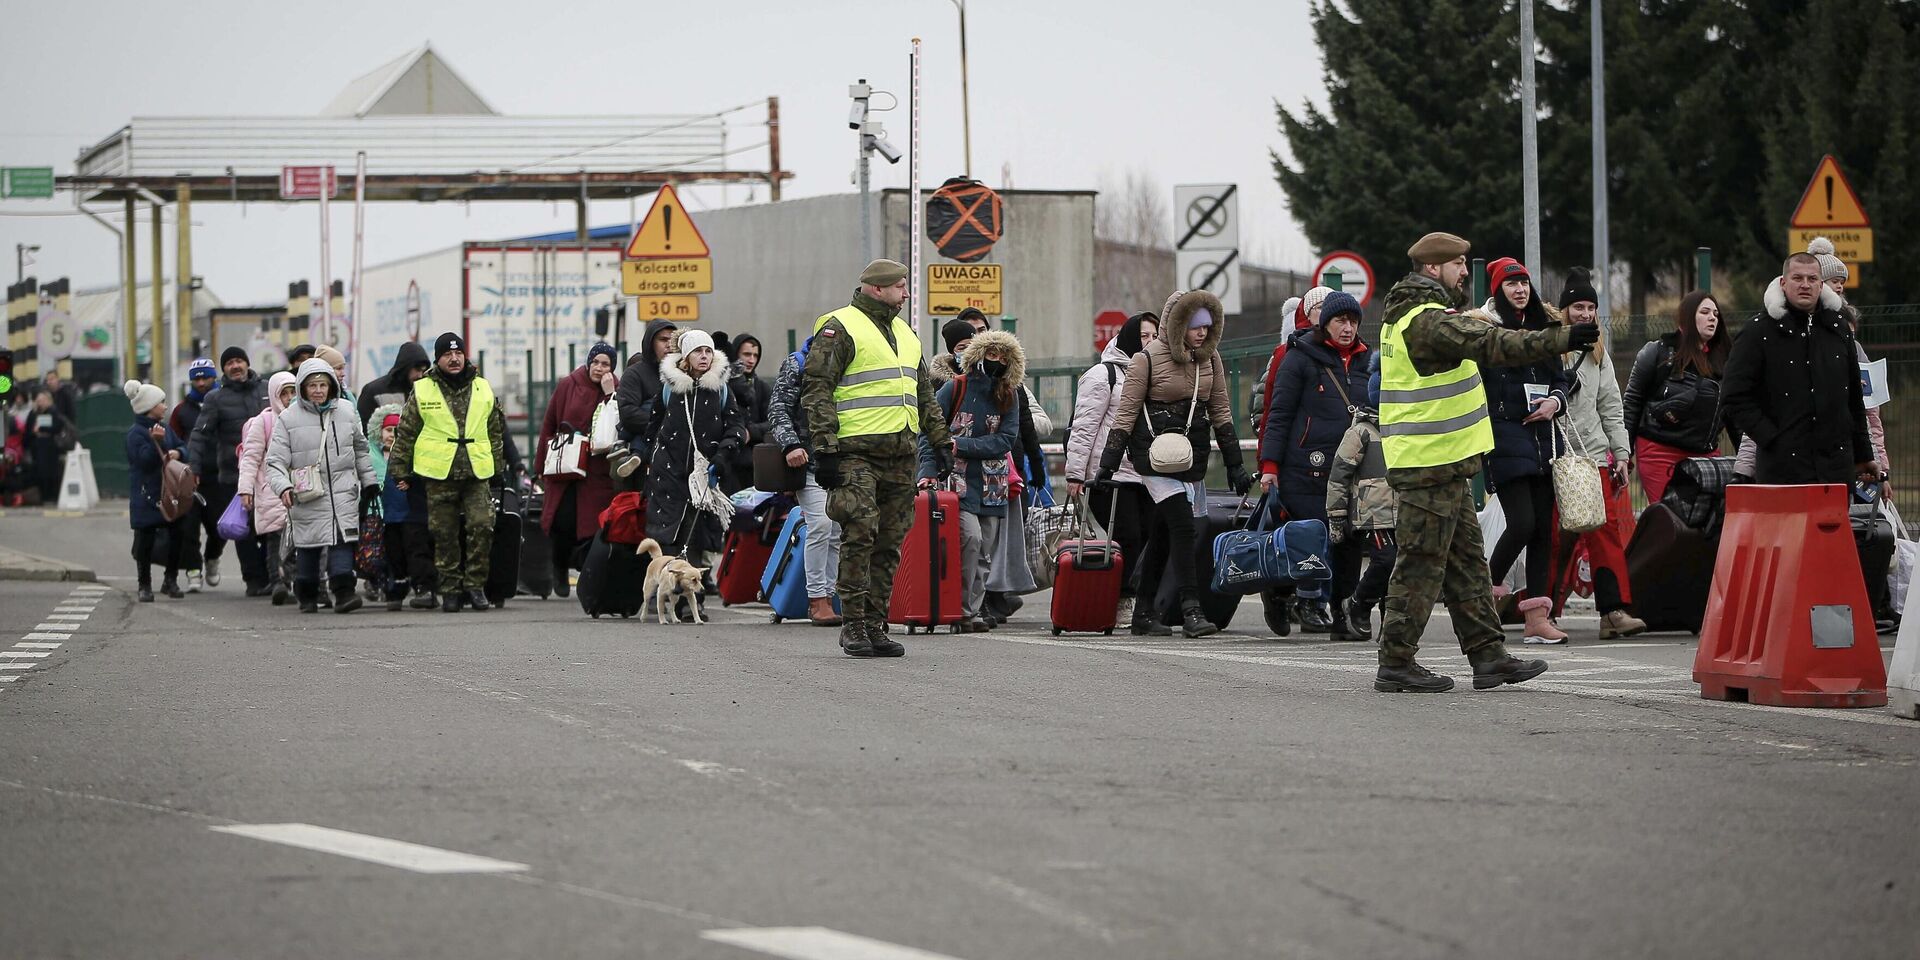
(784, 584)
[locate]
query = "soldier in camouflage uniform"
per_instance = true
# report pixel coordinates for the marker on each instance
(1434, 426)
(866, 411)
(437, 440)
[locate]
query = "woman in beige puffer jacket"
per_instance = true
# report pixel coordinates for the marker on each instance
(1178, 384)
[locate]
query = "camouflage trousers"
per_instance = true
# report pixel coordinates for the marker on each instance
(1441, 559)
(874, 507)
(460, 519)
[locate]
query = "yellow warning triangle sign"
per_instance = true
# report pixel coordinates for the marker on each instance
(1829, 200)
(667, 233)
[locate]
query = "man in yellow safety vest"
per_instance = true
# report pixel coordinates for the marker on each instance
(453, 436)
(868, 399)
(1434, 428)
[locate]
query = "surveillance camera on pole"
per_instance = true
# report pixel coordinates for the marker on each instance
(873, 138)
(860, 92)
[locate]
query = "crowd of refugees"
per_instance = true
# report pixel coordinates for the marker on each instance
(422, 454)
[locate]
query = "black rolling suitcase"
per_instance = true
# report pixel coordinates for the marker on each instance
(1224, 512)
(1670, 566)
(611, 579)
(536, 550)
(503, 561)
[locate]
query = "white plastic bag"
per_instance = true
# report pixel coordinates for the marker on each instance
(605, 431)
(1493, 523)
(566, 457)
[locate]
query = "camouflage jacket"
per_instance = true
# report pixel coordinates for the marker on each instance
(1358, 494)
(827, 359)
(458, 391)
(1439, 339)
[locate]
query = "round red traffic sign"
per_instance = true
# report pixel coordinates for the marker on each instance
(1356, 276)
(1106, 326)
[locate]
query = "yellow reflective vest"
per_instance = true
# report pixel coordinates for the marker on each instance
(1428, 421)
(439, 437)
(879, 392)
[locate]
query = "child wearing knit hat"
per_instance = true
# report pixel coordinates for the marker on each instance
(150, 446)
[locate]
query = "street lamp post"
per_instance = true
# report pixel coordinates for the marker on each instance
(966, 107)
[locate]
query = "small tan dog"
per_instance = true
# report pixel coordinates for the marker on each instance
(668, 580)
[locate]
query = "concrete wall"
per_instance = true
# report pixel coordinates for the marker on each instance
(778, 266)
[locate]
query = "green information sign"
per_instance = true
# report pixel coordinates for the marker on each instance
(29, 182)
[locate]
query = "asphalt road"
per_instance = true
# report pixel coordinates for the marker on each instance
(742, 790)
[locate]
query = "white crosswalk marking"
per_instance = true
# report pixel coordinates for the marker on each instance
(69, 617)
(37, 645)
(360, 846)
(817, 943)
(23, 653)
(49, 635)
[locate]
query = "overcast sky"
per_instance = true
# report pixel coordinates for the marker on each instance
(1067, 94)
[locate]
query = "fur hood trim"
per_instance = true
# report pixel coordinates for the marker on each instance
(1776, 300)
(1008, 344)
(679, 383)
(379, 414)
(1180, 308)
(941, 369)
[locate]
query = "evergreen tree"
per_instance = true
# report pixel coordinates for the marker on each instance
(1421, 130)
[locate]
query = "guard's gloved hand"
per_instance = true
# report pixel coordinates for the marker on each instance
(369, 493)
(1239, 479)
(826, 470)
(1580, 336)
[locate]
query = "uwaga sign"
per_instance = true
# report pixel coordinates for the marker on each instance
(953, 287)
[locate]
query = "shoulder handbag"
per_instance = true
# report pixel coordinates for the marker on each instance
(605, 431)
(1576, 487)
(566, 454)
(1172, 452)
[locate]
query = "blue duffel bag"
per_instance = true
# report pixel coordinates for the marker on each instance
(1245, 559)
(1300, 552)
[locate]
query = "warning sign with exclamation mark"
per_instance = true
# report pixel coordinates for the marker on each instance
(667, 233)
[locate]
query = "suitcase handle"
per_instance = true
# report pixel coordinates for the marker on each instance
(1092, 558)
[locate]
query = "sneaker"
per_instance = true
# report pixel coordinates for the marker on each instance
(1493, 673)
(1531, 638)
(1275, 607)
(193, 581)
(1410, 677)
(212, 574)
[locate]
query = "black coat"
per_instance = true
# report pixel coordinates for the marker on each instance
(144, 460)
(1308, 415)
(717, 429)
(1686, 413)
(214, 447)
(639, 393)
(1793, 384)
(1521, 449)
(397, 385)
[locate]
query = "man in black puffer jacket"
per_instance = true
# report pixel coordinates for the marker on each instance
(215, 457)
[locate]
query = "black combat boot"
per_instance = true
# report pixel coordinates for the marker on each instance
(450, 601)
(345, 598)
(877, 639)
(477, 600)
(1193, 620)
(1313, 615)
(145, 593)
(1409, 677)
(1505, 668)
(1276, 607)
(1146, 621)
(1359, 619)
(855, 641)
(308, 594)
(423, 600)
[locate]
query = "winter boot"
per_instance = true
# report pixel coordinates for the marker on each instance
(308, 594)
(171, 588)
(882, 647)
(1540, 628)
(450, 601)
(820, 612)
(281, 593)
(146, 593)
(1312, 612)
(1359, 619)
(1490, 672)
(345, 598)
(1146, 622)
(423, 600)
(1410, 677)
(1193, 620)
(854, 639)
(396, 600)
(477, 599)
(1341, 630)
(212, 574)
(1275, 606)
(1619, 623)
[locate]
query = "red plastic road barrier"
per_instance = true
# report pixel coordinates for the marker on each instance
(1788, 623)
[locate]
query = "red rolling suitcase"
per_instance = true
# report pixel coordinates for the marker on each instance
(1086, 580)
(741, 564)
(926, 588)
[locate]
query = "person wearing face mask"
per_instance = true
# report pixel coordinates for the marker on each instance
(982, 409)
(1793, 384)
(1094, 405)
(1673, 403)
(1434, 430)
(1321, 383)
(754, 396)
(573, 504)
(868, 402)
(696, 415)
(1176, 387)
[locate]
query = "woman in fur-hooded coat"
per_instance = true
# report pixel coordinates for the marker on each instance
(692, 415)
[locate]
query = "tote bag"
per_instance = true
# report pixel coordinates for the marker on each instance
(1576, 488)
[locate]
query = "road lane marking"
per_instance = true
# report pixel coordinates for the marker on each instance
(360, 846)
(1624, 646)
(817, 943)
(17, 666)
(37, 645)
(53, 626)
(23, 653)
(48, 635)
(69, 617)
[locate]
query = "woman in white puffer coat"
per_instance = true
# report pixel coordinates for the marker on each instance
(319, 466)
(1094, 405)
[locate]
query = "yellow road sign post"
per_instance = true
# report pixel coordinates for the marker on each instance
(953, 287)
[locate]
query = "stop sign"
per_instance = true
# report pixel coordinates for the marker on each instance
(1106, 326)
